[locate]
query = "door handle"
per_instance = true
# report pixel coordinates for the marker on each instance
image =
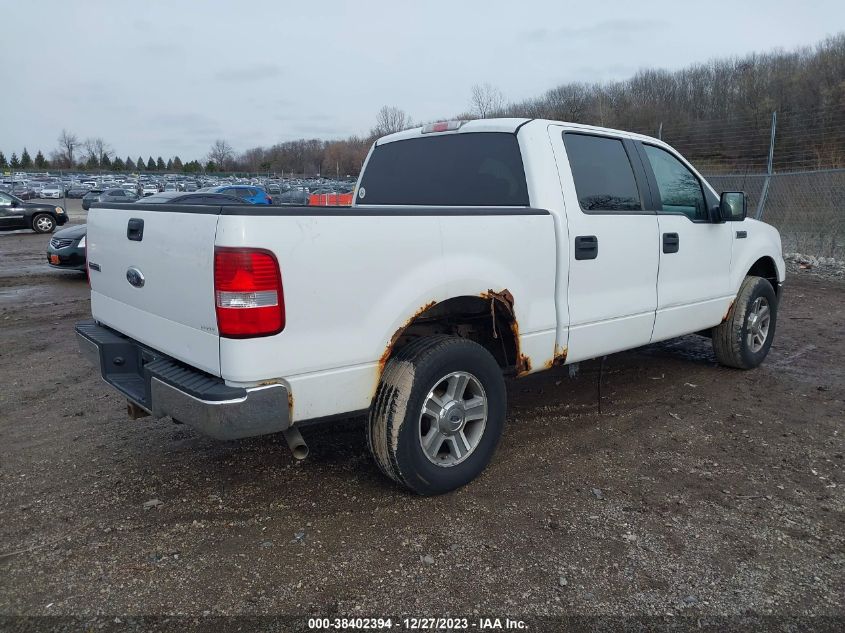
(671, 242)
(135, 230)
(586, 247)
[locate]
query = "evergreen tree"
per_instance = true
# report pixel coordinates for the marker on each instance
(106, 163)
(151, 164)
(160, 164)
(169, 164)
(14, 163)
(3, 162)
(40, 161)
(140, 164)
(177, 163)
(92, 163)
(118, 164)
(210, 166)
(130, 164)
(26, 159)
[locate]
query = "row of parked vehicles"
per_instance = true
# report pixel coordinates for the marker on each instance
(289, 191)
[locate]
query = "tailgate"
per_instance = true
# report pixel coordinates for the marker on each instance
(159, 289)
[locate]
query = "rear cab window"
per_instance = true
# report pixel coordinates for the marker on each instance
(473, 169)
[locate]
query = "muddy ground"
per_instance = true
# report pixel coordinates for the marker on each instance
(694, 491)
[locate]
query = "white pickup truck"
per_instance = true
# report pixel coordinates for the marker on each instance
(474, 250)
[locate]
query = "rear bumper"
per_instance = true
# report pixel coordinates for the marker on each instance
(163, 387)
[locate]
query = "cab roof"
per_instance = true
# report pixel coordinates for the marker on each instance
(508, 125)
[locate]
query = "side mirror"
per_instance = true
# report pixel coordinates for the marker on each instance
(733, 206)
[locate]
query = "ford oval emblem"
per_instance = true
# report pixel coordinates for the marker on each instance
(135, 277)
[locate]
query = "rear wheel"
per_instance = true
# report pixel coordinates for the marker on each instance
(43, 223)
(743, 340)
(438, 414)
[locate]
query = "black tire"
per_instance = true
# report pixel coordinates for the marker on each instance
(393, 428)
(731, 338)
(40, 223)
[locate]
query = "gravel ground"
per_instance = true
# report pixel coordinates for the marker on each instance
(692, 492)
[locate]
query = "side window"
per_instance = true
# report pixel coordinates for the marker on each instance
(118, 193)
(5, 200)
(680, 190)
(604, 178)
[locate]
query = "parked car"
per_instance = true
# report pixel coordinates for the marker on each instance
(67, 248)
(116, 195)
(482, 249)
(41, 217)
(249, 193)
(23, 192)
(294, 196)
(149, 189)
(77, 191)
(55, 191)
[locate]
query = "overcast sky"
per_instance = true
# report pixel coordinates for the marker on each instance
(167, 78)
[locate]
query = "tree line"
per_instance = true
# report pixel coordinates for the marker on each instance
(717, 112)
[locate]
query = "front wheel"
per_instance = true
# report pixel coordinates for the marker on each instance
(744, 338)
(43, 223)
(438, 414)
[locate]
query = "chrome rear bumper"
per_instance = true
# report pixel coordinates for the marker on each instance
(163, 387)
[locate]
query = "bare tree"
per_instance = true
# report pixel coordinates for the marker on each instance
(486, 100)
(390, 119)
(97, 149)
(68, 142)
(221, 153)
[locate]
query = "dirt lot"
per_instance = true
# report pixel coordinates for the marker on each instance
(695, 491)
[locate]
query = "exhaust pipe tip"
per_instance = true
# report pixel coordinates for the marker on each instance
(296, 443)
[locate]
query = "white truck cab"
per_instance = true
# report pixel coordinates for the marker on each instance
(473, 250)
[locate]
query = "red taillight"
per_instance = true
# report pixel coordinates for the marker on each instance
(248, 293)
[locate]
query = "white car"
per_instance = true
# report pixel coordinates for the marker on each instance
(474, 250)
(149, 190)
(52, 191)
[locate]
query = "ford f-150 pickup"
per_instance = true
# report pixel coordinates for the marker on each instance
(473, 251)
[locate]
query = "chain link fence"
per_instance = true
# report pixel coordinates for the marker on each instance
(807, 207)
(801, 155)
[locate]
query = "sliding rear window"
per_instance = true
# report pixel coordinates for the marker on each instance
(470, 169)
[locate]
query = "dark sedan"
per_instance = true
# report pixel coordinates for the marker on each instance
(67, 248)
(41, 217)
(108, 195)
(24, 192)
(77, 191)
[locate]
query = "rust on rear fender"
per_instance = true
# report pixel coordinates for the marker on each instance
(388, 351)
(728, 312)
(505, 299)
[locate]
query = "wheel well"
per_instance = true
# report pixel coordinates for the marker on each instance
(765, 268)
(487, 319)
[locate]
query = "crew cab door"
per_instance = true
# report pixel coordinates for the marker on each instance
(613, 250)
(693, 283)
